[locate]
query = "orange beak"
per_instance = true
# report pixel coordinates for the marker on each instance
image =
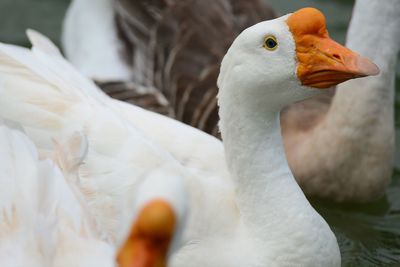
(150, 237)
(323, 63)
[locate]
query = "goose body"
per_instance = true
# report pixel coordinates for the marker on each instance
(255, 211)
(42, 221)
(45, 220)
(342, 170)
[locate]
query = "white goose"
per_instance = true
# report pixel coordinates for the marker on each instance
(255, 211)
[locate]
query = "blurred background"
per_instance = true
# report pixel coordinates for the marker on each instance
(369, 235)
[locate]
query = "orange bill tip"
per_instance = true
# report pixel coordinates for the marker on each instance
(150, 237)
(322, 62)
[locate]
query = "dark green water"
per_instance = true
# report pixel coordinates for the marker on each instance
(369, 235)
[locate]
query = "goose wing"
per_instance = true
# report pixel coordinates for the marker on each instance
(177, 47)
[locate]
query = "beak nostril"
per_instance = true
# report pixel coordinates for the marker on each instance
(337, 56)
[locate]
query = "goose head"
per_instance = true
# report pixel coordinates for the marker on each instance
(159, 219)
(286, 57)
(150, 237)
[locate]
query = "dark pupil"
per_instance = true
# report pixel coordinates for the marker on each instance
(270, 43)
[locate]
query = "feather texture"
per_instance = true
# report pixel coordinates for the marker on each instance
(176, 47)
(42, 222)
(53, 102)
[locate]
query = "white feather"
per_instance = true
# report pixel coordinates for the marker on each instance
(98, 37)
(41, 221)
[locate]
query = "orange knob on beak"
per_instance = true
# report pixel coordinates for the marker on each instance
(322, 62)
(150, 237)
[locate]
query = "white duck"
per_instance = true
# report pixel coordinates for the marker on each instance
(258, 212)
(348, 141)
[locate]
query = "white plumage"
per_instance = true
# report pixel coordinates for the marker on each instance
(42, 221)
(255, 211)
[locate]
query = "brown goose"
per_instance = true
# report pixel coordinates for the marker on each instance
(174, 46)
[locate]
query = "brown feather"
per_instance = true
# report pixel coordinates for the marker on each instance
(176, 46)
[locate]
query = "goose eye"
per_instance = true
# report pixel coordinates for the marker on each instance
(270, 43)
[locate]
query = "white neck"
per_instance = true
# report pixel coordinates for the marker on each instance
(374, 32)
(268, 197)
